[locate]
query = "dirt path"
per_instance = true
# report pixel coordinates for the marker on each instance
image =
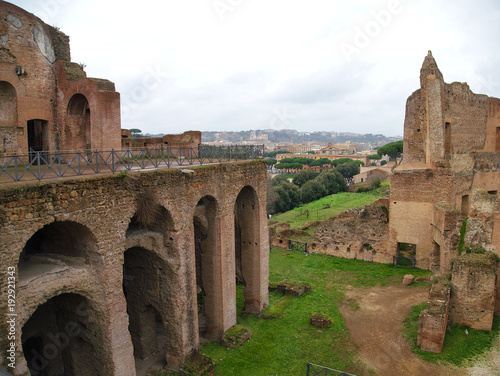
(377, 328)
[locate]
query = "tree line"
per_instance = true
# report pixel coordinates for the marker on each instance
(308, 186)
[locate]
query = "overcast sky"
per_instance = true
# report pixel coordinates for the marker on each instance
(309, 65)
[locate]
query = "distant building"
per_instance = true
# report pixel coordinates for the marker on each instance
(338, 149)
(354, 157)
(371, 174)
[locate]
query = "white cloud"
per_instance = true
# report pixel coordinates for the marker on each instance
(267, 56)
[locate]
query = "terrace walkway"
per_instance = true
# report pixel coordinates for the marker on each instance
(38, 166)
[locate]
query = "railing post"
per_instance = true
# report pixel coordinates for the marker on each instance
(16, 169)
(38, 165)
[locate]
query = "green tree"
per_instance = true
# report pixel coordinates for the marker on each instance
(135, 132)
(333, 181)
(272, 154)
(340, 161)
(278, 179)
(271, 161)
(392, 149)
(304, 176)
(375, 156)
(312, 190)
(348, 170)
(288, 197)
(383, 163)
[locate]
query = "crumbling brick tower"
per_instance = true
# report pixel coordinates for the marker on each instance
(450, 171)
(46, 101)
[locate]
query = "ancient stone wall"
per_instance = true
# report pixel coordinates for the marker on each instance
(450, 141)
(473, 290)
(35, 63)
(433, 321)
(359, 233)
(95, 239)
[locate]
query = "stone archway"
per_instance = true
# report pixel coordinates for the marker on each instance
(247, 247)
(145, 285)
(65, 336)
(57, 245)
(206, 225)
(150, 285)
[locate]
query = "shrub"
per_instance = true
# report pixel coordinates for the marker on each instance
(312, 190)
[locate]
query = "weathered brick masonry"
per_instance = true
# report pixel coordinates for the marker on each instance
(112, 261)
(47, 102)
(450, 172)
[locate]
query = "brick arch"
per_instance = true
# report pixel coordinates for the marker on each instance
(68, 241)
(14, 81)
(68, 331)
(148, 285)
(247, 219)
(208, 267)
(8, 105)
(78, 104)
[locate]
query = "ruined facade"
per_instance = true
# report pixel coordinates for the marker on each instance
(186, 141)
(113, 271)
(47, 102)
(358, 233)
(444, 200)
(450, 170)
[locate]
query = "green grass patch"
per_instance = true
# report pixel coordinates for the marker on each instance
(277, 309)
(284, 346)
(458, 346)
(329, 206)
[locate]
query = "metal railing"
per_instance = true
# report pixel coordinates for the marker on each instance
(40, 165)
(295, 245)
(315, 370)
(405, 262)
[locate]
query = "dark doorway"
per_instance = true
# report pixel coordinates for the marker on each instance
(37, 139)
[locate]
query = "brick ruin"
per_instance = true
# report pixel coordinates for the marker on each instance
(445, 192)
(47, 102)
(114, 271)
(359, 233)
(450, 170)
(175, 142)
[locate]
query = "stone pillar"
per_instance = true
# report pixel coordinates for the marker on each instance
(434, 319)
(473, 285)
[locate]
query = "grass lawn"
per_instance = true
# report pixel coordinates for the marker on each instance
(326, 207)
(283, 346)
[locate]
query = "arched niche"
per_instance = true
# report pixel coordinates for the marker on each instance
(78, 105)
(78, 123)
(247, 247)
(65, 336)
(8, 105)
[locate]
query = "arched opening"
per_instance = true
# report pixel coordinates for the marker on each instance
(38, 136)
(64, 336)
(247, 247)
(78, 122)
(146, 290)
(8, 105)
(55, 246)
(206, 240)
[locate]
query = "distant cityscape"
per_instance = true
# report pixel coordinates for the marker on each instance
(296, 141)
